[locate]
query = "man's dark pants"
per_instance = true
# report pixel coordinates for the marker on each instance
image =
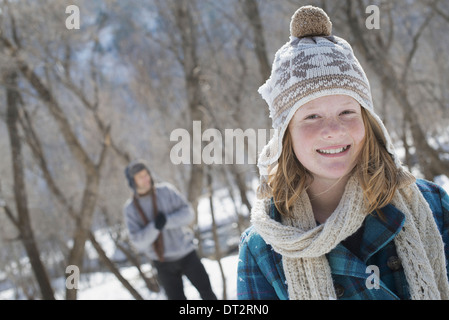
(170, 276)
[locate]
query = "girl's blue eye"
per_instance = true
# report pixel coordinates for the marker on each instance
(312, 116)
(347, 112)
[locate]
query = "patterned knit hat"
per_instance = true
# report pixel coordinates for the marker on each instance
(312, 64)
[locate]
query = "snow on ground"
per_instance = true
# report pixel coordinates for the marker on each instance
(104, 286)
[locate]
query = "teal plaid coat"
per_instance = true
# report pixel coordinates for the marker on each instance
(261, 275)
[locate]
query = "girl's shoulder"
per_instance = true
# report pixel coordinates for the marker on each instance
(251, 239)
(260, 270)
(251, 236)
(434, 194)
(429, 186)
(438, 200)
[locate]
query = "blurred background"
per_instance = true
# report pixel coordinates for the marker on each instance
(78, 104)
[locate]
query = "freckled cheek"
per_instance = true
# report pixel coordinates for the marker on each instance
(304, 138)
(357, 132)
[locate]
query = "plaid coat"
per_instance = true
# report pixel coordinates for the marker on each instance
(261, 275)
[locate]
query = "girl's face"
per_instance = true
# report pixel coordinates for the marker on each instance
(327, 135)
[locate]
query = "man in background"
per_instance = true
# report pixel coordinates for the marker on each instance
(157, 217)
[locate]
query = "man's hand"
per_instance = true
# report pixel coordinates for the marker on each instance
(160, 221)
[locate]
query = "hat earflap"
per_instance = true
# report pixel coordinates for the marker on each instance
(130, 179)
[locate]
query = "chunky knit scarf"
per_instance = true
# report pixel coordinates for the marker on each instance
(303, 244)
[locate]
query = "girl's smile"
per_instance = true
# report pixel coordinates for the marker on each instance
(335, 151)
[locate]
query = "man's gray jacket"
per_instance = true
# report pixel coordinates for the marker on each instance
(178, 237)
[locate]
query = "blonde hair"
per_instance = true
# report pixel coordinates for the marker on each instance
(377, 172)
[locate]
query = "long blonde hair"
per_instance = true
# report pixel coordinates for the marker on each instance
(378, 174)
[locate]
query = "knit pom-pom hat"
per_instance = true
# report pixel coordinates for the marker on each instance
(312, 64)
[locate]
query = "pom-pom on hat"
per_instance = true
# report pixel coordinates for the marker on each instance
(312, 64)
(310, 21)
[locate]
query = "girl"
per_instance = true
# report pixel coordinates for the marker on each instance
(337, 217)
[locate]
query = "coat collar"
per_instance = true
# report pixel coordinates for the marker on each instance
(377, 233)
(380, 231)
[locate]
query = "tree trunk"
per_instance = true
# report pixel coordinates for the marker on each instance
(251, 10)
(83, 225)
(23, 221)
(187, 30)
(218, 254)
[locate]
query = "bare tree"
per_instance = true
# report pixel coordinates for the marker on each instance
(22, 222)
(218, 253)
(378, 52)
(251, 10)
(45, 92)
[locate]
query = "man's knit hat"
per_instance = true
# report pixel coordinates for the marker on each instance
(312, 64)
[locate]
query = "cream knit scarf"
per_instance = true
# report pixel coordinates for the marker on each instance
(303, 244)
